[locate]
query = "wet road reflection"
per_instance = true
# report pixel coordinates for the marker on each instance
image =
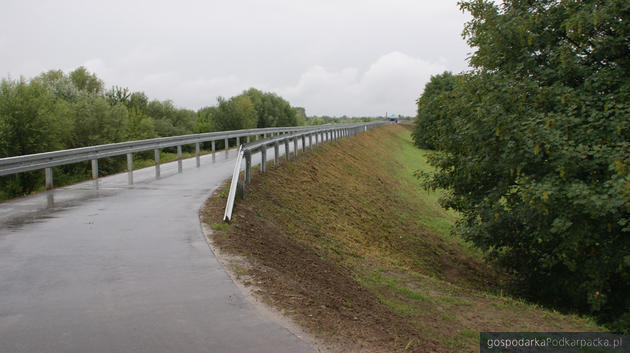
(107, 267)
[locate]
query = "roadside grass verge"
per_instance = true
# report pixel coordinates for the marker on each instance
(346, 242)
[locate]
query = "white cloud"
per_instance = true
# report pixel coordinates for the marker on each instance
(391, 84)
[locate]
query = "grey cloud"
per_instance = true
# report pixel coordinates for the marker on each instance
(332, 57)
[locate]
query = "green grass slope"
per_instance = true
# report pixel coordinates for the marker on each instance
(346, 242)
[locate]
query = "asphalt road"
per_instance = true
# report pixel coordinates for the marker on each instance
(106, 267)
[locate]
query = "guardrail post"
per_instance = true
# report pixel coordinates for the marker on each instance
(129, 168)
(247, 138)
(180, 167)
(157, 163)
(303, 143)
(248, 166)
(238, 141)
(94, 169)
(214, 155)
(276, 150)
(263, 158)
(226, 147)
(310, 141)
(197, 154)
(49, 178)
(50, 199)
(295, 146)
(287, 153)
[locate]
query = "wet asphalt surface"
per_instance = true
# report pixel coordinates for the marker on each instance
(106, 267)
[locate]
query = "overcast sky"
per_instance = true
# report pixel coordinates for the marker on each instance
(334, 57)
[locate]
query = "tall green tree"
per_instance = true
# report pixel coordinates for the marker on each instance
(31, 121)
(118, 95)
(536, 153)
(271, 109)
(169, 120)
(203, 121)
(86, 81)
(140, 126)
(431, 110)
(234, 114)
(138, 101)
(97, 122)
(300, 116)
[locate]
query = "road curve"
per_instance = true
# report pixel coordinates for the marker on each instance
(106, 267)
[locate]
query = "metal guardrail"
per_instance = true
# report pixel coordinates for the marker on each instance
(47, 160)
(320, 135)
(232, 194)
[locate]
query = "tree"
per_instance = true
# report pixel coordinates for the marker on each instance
(30, 122)
(97, 122)
(203, 121)
(140, 125)
(170, 121)
(85, 81)
(271, 110)
(138, 101)
(118, 95)
(431, 110)
(234, 114)
(535, 152)
(60, 85)
(300, 116)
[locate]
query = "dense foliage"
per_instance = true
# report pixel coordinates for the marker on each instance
(59, 111)
(271, 110)
(431, 109)
(533, 146)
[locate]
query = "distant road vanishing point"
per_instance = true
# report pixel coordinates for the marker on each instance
(106, 267)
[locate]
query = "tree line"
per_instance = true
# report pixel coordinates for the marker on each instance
(532, 146)
(55, 111)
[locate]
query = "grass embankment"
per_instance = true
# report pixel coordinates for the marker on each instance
(347, 243)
